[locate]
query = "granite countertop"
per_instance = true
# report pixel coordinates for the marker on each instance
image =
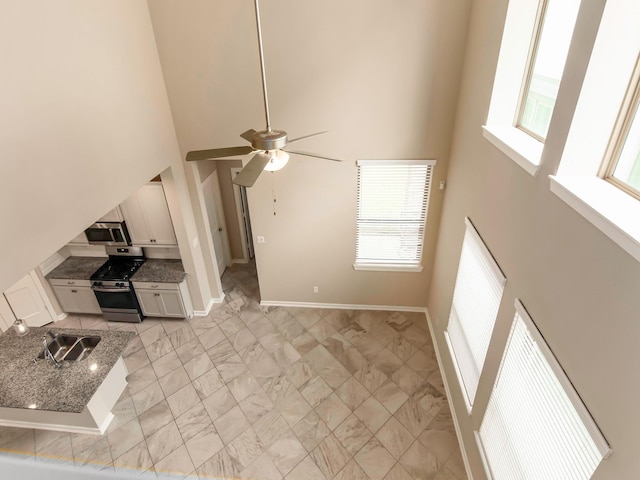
(77, 268)
(161, 271)
(41, 386)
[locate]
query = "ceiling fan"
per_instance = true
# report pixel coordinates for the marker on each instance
(268, 144)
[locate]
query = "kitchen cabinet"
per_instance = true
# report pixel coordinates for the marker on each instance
(164, 299)
(114, 215)
(75, 296)
(80, 239)
(147, 216)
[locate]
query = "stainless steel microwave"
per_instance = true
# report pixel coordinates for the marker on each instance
(108, 233)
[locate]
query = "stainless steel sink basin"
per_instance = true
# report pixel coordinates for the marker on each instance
(59, 346)
(70, 347)
(82, 348)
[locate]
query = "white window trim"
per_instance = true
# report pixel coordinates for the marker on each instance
(611, 210)
(521, 147)
(396, 267)
(592, 428)
(576, 182)
(380, 267)
(500, 131)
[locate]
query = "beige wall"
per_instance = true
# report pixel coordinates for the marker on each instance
(580, 288)
(381, 76)
(84, 122)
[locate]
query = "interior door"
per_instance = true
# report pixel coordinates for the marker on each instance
(213, 204)
(246, 222)
(26, 302)
(242, 210)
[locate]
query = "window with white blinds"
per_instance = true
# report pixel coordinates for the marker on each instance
(476, 298)
(536, 426)
(393, 200)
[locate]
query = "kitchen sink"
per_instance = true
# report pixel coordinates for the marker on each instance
(71, 348)
(82, 348)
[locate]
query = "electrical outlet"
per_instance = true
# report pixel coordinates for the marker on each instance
(315, 289)
(260, 239)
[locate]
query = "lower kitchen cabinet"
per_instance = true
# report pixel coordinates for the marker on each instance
(164, 299)
(75, 296)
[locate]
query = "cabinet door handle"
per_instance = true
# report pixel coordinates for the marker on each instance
(71, 283)
(74, 291)
(156, 294)
(154, 286)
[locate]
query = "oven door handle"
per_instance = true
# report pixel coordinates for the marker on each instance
(111, 289)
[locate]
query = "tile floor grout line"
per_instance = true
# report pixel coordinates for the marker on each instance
(244, 325)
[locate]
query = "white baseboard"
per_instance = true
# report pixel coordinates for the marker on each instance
(454, 414)
(343, 306)
(206, 311)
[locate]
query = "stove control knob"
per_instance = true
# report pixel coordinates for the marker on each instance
(119, 284)
(97, 284)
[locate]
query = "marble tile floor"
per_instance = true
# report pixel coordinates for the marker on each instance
(273, 393)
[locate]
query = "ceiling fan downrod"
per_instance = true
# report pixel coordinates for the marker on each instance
(262, 70)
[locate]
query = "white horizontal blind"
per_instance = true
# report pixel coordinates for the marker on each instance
(535, 426)
(476, 298)
(393, 199)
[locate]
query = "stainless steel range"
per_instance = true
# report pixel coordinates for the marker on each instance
(112, 286)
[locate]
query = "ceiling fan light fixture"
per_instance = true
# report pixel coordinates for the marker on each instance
(266, 145)
(277, 160)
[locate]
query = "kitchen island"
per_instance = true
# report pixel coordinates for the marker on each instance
(77, 397)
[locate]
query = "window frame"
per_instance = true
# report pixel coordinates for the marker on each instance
(516, 60)
(629, 112)
(578, 181)
(498, 277)
(395, 265)
(592, 430)
(528, 73)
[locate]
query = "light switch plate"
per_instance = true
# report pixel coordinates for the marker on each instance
(260, 239)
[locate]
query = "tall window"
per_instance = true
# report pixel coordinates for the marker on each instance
(393, 200)
(535, 43)
(476, 299)
(535, 425)
(548, 54)
(599, 173)
(623, 158)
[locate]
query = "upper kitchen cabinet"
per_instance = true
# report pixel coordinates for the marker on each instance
(147, 216)
(114, 215)
(80, 239)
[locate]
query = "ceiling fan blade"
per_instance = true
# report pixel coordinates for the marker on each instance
(306, 136)
(217, 153)
(248, 135)
(252, 170)
(314, 155)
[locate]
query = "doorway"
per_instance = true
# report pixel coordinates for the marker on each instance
(26, 300)
(230, 201)
(244, 219)
(218, 225)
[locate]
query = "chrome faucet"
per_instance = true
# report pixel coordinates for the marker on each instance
(47, 352)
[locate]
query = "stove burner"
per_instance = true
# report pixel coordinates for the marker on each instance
(117, 270)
